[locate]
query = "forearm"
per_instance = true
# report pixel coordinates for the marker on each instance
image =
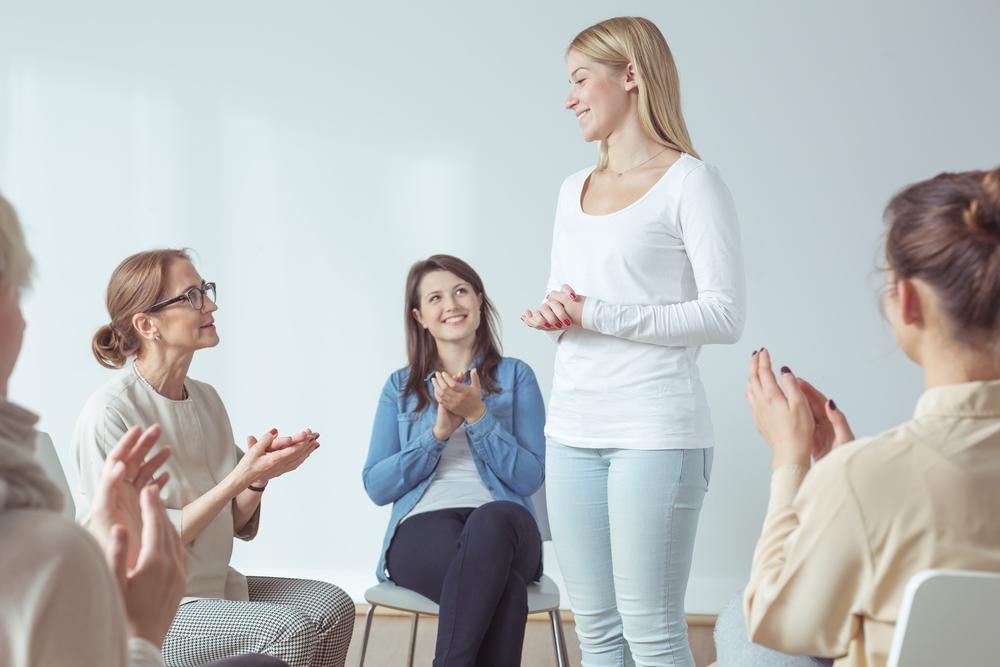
(245, 505)
(702, 321)
(198, 514)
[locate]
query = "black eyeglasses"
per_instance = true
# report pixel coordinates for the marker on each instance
(195, 296)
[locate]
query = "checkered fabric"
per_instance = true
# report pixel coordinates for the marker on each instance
(305, 623)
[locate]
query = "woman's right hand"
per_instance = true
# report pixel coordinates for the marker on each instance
(447, 421)
(154, 586)
(832, 429)
(271, 456)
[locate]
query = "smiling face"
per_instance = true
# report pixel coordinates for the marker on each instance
(600, 96)
(179, 325)
(449, 307)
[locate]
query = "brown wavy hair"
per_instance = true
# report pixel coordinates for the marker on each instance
(945, 231)
(136, 284)
(421, 348)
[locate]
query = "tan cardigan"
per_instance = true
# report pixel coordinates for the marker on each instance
(840, 541)
(59, 604)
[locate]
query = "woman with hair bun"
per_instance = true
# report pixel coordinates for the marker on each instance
(850, 521)
(646, 268)
(162, 312)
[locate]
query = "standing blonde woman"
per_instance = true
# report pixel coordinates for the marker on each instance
(646, 268)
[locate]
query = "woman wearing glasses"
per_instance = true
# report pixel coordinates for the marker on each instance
(161, 314)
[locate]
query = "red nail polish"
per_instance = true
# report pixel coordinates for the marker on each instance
(572, 295)
(568, 322)
(548, 326)
(274, 431)
(558, 325)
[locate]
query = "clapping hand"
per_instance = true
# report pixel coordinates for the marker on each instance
(126, 473)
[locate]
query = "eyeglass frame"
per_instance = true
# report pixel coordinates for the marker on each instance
(205, 287)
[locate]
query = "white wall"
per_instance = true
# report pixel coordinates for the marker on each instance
(310, 153)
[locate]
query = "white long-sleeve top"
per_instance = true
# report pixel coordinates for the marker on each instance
(662, 277)
(200, 438)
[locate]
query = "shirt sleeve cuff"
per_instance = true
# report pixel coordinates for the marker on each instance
(142, 653)
(785, 483)
(589, 314)
(485, 424)
(249, 531)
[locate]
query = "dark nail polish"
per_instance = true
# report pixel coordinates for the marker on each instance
(786, 369)
(833, 406)
(754, 353)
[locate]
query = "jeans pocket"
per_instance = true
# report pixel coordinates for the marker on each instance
(709, 453)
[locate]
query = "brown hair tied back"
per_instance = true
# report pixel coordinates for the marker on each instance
(982, 217)
(945, 231)
(135, 285)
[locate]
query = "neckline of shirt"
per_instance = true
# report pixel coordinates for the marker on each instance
(654, 186)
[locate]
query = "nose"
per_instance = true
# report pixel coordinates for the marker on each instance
(208, 306)
(571, 100)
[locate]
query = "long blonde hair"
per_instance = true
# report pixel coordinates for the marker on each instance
(622, 40)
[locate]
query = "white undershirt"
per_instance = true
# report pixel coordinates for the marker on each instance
(662, 277)
(456, 482)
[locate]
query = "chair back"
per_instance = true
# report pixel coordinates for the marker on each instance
(542, 513)
(45, 454)
(948, 617)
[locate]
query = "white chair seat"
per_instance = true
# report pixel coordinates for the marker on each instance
(542, 596)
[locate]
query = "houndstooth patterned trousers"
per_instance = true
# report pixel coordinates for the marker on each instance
(305, 623)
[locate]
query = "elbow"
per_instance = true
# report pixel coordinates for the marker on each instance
(729, 320)
(378, 495)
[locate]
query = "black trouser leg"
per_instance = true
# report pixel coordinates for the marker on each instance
(463, 559)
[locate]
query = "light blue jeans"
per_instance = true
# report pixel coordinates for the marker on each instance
(623, 525)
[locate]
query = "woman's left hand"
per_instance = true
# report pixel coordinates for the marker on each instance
(560, 310)
(781, 412)
(462, 399)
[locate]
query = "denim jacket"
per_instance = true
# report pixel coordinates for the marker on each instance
(508, 445)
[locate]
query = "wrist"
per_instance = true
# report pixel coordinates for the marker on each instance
(439, 433)
(141, 630)
(476, 415)
(798, 458)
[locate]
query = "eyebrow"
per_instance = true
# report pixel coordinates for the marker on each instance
(455, 286)
(576, 70)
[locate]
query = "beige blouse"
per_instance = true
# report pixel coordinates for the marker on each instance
(199, 434)
(840, 541)
(59, 604)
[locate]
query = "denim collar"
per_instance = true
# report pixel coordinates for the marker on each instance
(475, 364)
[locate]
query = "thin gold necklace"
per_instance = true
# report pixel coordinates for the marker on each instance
(636, 166)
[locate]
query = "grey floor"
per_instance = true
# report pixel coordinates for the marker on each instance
(390, 635)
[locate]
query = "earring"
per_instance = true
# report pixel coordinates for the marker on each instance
(156, 336)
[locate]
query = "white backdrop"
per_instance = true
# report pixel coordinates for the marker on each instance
(310, 152)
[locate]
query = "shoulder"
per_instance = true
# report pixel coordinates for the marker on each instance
(699, 178)
(516, 369)
(203, 390)
(396, 382)
(574, 181)
(47, 537)
(114, 400)
(862, 464)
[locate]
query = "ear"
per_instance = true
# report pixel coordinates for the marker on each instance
(911, 302)
(480, 297)
(631, 81)
(145, 326)
(418, 317)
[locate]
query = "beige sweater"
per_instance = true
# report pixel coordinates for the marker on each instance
(200, 437)
(59, 605)
(840, 541)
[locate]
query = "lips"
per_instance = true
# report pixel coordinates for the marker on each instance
(455, 319)
(210, 325)
(580, 114)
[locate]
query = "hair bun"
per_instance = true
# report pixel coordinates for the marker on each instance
(982, 216)
(108, 347)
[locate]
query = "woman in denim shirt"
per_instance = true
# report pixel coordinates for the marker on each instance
(458, 448)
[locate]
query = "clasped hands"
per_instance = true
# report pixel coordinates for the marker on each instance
(457, 402)
(562, 309)
(797, 420)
